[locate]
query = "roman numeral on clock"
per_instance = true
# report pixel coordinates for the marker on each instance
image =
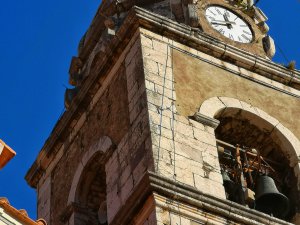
(218, 11)
(246, 32)
(212, 12)
(245, 37)
(222, 31)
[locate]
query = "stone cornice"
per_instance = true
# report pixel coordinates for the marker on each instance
(205, 120)
(174, 191)
(181, 33)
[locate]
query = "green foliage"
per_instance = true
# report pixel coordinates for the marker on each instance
(291, 65)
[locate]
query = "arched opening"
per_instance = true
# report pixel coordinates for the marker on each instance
(90, 196)
(255, 163)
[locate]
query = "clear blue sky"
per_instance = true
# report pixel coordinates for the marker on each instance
(37, 41)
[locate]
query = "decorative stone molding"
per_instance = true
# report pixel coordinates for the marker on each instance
(193, 19)
(205, 120)
(269, 46)
(215, 105)
(154, 184)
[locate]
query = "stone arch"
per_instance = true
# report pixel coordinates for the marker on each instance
(225, 107)
(216, 105)
(87, 196)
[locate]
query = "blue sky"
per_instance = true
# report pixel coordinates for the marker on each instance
(37, 41)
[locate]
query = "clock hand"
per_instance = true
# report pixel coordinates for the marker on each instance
(229, 25)
(221, 22)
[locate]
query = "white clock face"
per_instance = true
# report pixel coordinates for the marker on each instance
(229, 24)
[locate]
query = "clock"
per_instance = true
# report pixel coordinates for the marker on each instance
(229, 24)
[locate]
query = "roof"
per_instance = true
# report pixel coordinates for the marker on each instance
(19, 215)
(6, 154)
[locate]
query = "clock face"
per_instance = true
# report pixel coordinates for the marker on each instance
(229, 24)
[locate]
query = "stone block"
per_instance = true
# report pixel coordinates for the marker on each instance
(162, 215)
(165, 169)
(165, 71)
(182, 119)
(126, 189)
(271, 122)
(133, 90)
(210, 160)
(195, 124)
(159, 57)
(155, 98)
(150, 85)
(125, 174)
(184, 221)
(161, 47)
(152, 218)
(150, 66)
(165, 90)
(231, 102)
(113, 202)
(205, 137)
(174, 219)
(184, 129)
(165, 155)
(188, 152)
(166, 143)
(211, 107)
(148, 33)
(139, 170)
(183, 170)
(160, 120)
(185, 177)
(136, 47)
(167, 133)
(146, 41)
(288, 142)
(192, 142)
(209, 186)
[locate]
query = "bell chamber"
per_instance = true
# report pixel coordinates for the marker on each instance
(248, 179)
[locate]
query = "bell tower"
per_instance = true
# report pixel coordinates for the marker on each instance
(177, 116)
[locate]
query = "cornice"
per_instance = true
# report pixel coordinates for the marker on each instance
(184, 34)
(153, 183)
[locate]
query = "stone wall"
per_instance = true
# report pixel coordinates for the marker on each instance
(184, 150)
(178, 80)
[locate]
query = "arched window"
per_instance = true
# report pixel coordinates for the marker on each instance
(87, 197)
(91, 194)
(258, 157)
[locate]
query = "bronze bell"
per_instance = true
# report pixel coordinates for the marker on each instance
(227, 182)
(268, 199)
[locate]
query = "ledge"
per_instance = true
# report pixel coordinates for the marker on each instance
(154, 183)
(205, 120)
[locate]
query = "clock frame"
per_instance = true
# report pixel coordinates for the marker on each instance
(229, 24)
(255, 46)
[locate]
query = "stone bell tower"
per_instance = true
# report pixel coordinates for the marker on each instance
(177, 116)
